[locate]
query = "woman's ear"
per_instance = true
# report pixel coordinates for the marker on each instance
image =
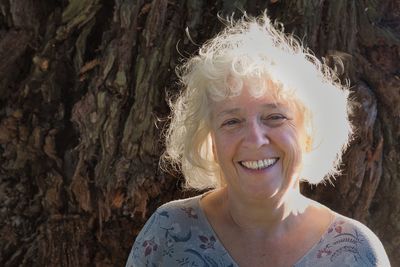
(307, 139)
(308, 143)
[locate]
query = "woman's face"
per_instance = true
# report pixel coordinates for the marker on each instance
(255, 141)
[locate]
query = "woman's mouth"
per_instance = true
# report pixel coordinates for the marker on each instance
(258, 164)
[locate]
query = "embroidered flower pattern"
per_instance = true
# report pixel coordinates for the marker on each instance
(344, 245)
(149, 246)
(183, 261)
(337, 227)
(207, 242)
(191, 213)
(324, 252)
(168, 251)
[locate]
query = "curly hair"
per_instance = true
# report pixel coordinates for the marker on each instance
(253, 50)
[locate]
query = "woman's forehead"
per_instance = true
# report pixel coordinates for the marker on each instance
(243, 102)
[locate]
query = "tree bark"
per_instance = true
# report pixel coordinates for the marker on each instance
(82, 108)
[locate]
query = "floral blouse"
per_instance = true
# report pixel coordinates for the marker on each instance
(179, 234)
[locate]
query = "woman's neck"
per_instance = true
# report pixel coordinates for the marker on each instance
(269, 215)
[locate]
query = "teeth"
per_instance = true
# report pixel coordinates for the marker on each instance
(259, 164)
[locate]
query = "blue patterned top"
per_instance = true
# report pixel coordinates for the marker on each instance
(179, 234)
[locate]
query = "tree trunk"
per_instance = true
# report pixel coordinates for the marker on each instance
(82, 90)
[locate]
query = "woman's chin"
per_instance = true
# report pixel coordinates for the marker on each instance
(260, 183)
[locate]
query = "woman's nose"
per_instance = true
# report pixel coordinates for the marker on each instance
(256, 135)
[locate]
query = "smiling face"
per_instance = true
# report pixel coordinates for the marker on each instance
(256, 144)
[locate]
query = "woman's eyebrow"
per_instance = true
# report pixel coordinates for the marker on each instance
(228, 111)
(236, 110)
(272, 106)
(277, 107)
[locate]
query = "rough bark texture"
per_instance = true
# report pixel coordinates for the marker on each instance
(82, 85)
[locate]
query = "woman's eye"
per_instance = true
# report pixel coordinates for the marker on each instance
(231, 122)
(275, 119)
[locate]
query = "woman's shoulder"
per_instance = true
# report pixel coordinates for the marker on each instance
(180, 204)
(173, 213)
(178, 211)
(343, 225)
(172, 225)
(350, 240)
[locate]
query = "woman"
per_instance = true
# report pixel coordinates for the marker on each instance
(258, 113)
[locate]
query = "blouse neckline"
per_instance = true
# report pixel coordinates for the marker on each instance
(207, 223)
